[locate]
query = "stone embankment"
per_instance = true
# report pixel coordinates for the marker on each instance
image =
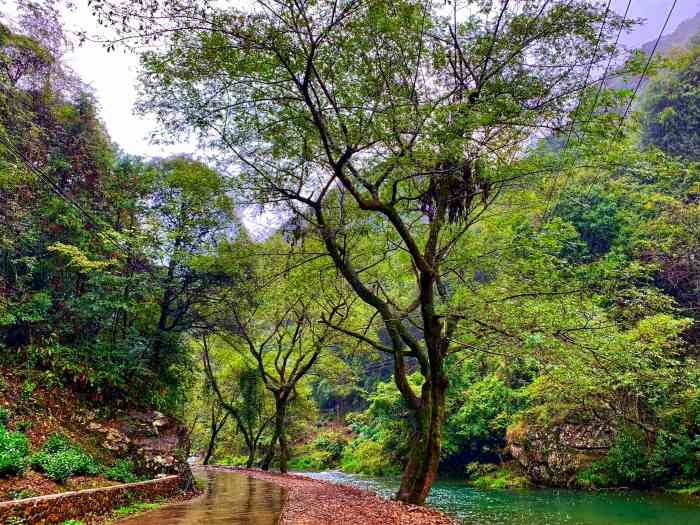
(85, 505)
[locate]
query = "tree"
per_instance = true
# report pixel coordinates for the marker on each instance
(241, 396)
(358, 115)
(188, 214)
(671, 106)
(217, 422)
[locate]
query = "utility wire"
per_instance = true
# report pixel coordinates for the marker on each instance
(551, 191)
(636, 88)
(646, 67)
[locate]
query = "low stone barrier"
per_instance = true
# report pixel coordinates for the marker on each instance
(84, 504)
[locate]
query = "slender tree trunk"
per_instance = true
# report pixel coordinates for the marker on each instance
(251, 457)
(270, 454)
(280, 424)
(279, 436)
(215, 429)
(424, 456)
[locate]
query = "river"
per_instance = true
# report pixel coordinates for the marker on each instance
(541, 507)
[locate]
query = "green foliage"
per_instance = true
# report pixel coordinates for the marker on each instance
(21, 494)
(4, 416)
(14, 449)
(366, 456)
(479, 422)
(490, 476)
(56, 442)
(671, 107)
(59, 459)
(135, 507)
(631, 461)
(121, 470)
(323, 452)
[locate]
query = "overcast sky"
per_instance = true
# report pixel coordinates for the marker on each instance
(113, 75)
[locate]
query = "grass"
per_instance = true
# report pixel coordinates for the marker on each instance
(133, 508)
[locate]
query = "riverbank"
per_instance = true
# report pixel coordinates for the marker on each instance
(313, 502)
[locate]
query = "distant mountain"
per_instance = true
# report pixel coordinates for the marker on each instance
(679, 38)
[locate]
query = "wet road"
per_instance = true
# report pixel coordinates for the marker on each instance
(229, 498)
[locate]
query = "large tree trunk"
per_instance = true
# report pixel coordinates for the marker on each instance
(424, 455)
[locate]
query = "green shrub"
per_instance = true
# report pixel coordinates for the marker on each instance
(14, 448)
(4, 416)
(366, 456)
(60, 459)
(310, 460)
(331, 442)
(21, 493)
(626, 464)
(490, 476)
(28, 388)
(56, 442)
(122, 470)
(23, 425)
(235, 461)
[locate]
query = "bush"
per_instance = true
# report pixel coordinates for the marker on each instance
(122, 471)
(366, 456)
(14, 449)
(626, 464)
(60, 459)
(56, 443)
(4, 416)
(490, 476)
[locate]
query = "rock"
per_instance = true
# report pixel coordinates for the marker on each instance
(158, 445)
(552, 454)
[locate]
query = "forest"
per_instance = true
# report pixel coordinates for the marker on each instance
(483, 260)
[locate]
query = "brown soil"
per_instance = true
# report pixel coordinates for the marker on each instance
(314, 502)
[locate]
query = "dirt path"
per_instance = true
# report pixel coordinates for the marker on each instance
(314, 502)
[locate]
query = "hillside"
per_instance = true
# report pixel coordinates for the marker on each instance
(93, 445)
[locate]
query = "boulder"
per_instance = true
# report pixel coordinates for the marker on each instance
(158, 445)
(551, 455)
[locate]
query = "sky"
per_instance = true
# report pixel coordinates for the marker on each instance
(113, 75)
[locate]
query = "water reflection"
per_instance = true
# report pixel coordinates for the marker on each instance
(229, 498)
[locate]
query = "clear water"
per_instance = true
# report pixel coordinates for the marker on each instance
(540, 507)
(229, 498)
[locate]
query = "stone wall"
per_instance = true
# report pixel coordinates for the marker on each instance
(85, 504)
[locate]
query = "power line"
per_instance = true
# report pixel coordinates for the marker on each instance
(646, 67)
(639, 82)
(636, 88)
(578, 105)
(588, 72)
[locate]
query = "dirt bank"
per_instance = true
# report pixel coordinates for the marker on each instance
(314, 502)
